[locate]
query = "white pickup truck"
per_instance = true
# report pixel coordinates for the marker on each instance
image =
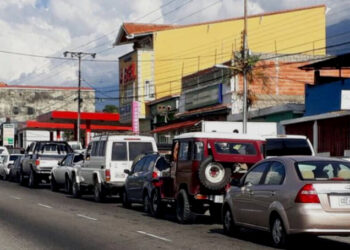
(40, 157)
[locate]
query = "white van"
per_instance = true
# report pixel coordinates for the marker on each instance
(106, 158)
(288, 145)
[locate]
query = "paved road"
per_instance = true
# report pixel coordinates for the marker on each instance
(41, 219)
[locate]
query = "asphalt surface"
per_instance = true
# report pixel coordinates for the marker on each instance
(41, 219)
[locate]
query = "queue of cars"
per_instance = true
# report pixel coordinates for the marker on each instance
(242, 180)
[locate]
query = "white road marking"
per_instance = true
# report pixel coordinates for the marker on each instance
(154, 236)
(86, 217)
(15, 197)
(43, 205)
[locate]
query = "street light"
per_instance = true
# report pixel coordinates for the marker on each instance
(245, 91)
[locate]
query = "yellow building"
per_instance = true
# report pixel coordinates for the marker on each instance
(163, 54)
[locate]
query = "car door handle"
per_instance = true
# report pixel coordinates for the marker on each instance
(273, 193)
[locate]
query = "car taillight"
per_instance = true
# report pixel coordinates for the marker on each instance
(108, 175)
(307, 194)
(37, 162)
(154, 175)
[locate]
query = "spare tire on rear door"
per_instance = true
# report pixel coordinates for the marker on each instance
(213, 175)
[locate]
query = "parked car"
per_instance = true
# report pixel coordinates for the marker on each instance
(143, 182)
(291, 195)
(202, 166)
(6, 163)
(40, 157)
(106, 159)
(62, 174)
(4, 150)
(288, 145)
(15, 170)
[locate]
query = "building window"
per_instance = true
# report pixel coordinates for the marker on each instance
(149, 90)
(30, 110)
(15, 110)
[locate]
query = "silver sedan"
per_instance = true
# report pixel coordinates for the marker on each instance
(291, 195)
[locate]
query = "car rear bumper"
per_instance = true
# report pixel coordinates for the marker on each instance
(312, 218)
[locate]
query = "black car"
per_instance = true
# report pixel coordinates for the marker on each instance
(143, 182)
(15, 169)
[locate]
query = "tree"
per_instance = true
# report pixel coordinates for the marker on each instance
(110, 109)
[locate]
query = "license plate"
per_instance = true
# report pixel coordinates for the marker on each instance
(218, 198)
(338, 201)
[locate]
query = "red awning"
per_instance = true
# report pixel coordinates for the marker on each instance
(175, 126)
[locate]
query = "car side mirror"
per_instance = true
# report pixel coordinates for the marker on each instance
(127, 171)
(235, 182)
(248, 184)
(59, 163)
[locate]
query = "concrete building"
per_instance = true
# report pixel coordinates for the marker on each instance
(163, 54)
(21, 103)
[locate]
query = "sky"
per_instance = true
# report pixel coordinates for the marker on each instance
(50, 27)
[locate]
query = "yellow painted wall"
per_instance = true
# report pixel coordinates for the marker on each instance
(145, 72)
(182, 51)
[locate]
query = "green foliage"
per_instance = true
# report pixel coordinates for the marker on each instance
(110, 109)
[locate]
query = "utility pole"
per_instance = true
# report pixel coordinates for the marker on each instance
(244, 58)
(79, 55)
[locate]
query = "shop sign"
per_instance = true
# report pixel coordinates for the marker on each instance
(135, 117)
(345, 100)
(125, 113)
(207, 96)
(8, 134)
(127, 73)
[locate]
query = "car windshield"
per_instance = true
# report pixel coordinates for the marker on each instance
(287, 146)
(323, 170)
(235, 148)
(137, 148)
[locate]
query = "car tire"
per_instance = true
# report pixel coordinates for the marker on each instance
(278, 232)
(125, 199)
(32, 182)
(156, 204)
(99, 194)
(68, 185)
(229, 225)
(53, 184)
(183, 209)
(213, 175)
(22, 181)
(146, 203)
(76, 193)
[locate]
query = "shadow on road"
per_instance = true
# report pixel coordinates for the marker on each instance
(296, 242)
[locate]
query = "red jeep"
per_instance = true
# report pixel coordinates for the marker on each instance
(202, 166)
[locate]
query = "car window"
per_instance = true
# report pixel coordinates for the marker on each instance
(254, 176)
(119, 151)
(275, 175)
(138, 166)
(149, 163)
(198, 150)
(162, 164)
(13, 157)
(235, 148)
(137, 148)
(78, 158)
(323, 170)
(95, 146)
(287, 146)
(102, 148)
(184, 152)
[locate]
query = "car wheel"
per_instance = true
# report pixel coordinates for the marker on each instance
(32, 179)
(125, 200)
(228, 222)
(99, 195)
(278, 233)
(213, 175)
(68, 185)
(156, 204)
(146, 203)
(183, 210)
(22, 180)
(53, 184)
(75, 189)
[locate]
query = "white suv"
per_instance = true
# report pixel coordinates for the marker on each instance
(106, 159)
